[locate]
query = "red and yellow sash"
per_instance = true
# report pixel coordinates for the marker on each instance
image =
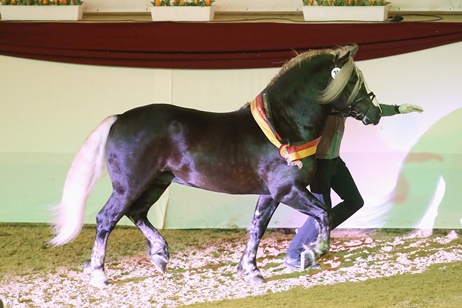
(292, 153)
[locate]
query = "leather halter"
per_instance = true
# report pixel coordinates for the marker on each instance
(350, 112)
(292, 153)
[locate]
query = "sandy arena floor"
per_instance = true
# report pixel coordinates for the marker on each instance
(210, 275)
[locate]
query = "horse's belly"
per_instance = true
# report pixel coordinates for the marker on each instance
(238, 184)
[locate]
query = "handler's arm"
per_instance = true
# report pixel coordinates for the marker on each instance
(390, 110)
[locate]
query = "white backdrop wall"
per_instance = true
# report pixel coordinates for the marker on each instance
(266, 5)
(408, 167)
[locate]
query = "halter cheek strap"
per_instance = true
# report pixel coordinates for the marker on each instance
(292, 153)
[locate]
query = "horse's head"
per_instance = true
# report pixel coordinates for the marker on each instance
(346, 91)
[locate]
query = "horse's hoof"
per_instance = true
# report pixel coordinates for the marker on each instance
(253, 277)
(160, 263)
(87, 268)
(257, 279)
(98, 279)
(322, 248)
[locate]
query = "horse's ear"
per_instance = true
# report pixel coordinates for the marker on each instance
(345, 53)
(353, 49)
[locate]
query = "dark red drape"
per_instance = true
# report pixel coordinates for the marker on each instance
(211, 45)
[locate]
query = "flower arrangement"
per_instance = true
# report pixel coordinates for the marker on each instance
(345, 2)
(182, 3)
(41, 2)
(182, 10)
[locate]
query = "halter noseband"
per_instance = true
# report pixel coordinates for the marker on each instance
(350, 112)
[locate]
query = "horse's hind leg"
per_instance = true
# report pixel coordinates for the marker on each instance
(247, 267)
(158, 248)
(106, 220)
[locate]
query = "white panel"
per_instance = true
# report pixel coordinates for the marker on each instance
(427, 5)
(49, 108)
(379, 156)
(219, 90)
(60, 104)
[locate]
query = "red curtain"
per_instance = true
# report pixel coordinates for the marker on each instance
(212, 45)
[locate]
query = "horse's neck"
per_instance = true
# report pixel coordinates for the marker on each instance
(293, 97)
(298, 120)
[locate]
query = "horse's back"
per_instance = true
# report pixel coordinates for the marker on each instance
(164, 116)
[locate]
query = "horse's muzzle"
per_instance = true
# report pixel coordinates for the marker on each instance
(366, 120)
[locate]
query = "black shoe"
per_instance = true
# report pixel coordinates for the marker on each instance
(292, 263)
(315, 266)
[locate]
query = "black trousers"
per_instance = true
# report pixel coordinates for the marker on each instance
(334, 174)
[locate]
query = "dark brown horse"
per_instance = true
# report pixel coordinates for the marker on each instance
(264, 148)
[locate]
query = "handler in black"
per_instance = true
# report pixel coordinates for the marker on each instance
(332, 172)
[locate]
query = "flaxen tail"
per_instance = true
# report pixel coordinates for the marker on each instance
(82, 177)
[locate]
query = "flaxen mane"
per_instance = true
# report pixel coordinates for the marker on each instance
(337, 85)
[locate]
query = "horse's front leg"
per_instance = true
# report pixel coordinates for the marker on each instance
(314, 251)
(247, 267)
(305, 202)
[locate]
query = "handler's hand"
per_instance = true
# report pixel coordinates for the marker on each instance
(407, 108)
